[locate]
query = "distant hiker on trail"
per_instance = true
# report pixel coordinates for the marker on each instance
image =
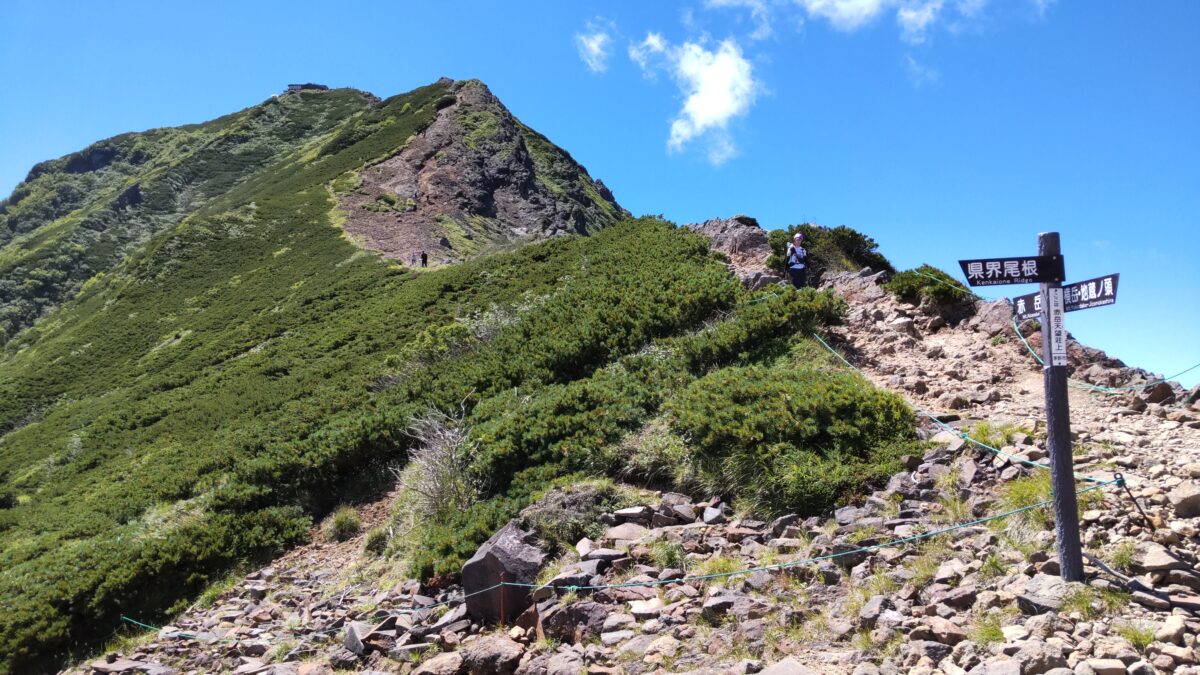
(795, 261)
(424, 259)
(413, 261)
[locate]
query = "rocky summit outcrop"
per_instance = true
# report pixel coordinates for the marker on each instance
(474, 178)
(744, 243)
(899, 581)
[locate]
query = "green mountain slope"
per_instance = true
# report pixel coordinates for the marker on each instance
(228, 377)
(79, 215)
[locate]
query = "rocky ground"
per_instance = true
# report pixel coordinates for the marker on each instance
(985, 598)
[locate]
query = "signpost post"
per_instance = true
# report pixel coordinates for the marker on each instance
(1051, 302)
(1058, 420)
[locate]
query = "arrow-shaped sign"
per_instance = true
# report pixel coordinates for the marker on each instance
(1035, 269)
(1079, 295)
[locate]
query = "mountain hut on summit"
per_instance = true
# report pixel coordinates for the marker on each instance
(307, 86)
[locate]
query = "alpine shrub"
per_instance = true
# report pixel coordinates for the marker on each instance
(791, 439)
(830, 249)
(343, 524)
(927, 283)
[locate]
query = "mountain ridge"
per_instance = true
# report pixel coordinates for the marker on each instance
(77, 216)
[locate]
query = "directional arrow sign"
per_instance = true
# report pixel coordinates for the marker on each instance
(1079, 295)
(1019, 270)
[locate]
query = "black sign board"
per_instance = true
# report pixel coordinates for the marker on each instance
(1079, 295)
(1006, 271)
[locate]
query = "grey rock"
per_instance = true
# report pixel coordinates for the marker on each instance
(615, 637)
(997, 666)
(492, 654)
(713, 515)
(1151, 557)
(446, 663)
(1185, 498)
(1044, 593)
(945, 631)
(583, 618)
(1037, 657)
(565, 663)
(1161, 393)
(718, 605)
(871, 610)
(512, 552)
(605, 554)
(1106, 666)
(934, 650)
(353, 637)
(1171, 630)
(626, 532)
(745, 242)
(639, 513)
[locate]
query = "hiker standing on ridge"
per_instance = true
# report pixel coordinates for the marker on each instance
(424, 259)
(795, 261)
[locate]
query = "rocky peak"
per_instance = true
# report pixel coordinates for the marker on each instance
(474, 178)
(745, 243)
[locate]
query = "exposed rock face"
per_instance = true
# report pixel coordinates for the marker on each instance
(513, 552)
(475, 177)
(745, 242)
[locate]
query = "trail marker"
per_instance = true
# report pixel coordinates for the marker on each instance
(1015, 270)
(1049, 304)
(1058, 420)
(1096, 292)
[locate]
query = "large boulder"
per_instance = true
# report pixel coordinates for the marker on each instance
(512, 552)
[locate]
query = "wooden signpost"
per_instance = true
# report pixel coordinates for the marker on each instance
(1049, 305)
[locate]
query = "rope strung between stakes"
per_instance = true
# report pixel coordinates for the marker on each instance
(1078, 383)
(703, 577)
(829, 556)
(946, 427)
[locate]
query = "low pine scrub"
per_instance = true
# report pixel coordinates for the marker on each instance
(927, 283)
(792, 439)
(202, 404)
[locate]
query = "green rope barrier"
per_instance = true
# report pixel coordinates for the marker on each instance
(961, 289)
(1097, 387)
(946, 427)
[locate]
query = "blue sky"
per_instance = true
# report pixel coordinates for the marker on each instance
(945, 130)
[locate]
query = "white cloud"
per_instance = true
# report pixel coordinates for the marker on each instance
(916, 18)
(760, 13)
(920, 74)
(593, 45)
(845, 15)
(718, 86)
(642, 52)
